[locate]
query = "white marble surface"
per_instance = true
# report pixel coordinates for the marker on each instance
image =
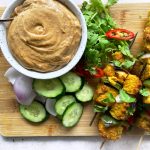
(72, 143)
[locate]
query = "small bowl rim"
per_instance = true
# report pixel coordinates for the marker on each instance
(39, 75)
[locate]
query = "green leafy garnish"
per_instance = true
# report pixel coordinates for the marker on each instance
(126, 97)
(145, 92)
(124, 48)
(110, 98)
(118, 86)
(117, 63)
(100, 109)
(99, 48)
(126, 64)
(131, 110)
(111, 2)
(109, 121)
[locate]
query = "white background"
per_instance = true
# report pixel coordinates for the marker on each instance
(72, 143)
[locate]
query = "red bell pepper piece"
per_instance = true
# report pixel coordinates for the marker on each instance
(79, 69)
(99, 74)
(120, 34)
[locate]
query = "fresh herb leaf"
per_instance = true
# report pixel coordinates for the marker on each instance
(131, 110)
(117, 63)
(84, 6)
(100, 109)
(118, 86)
(126, 97)
(111, 22)
(111, 2)
(125, 50)
(128, 64)
(109, 121)
(145, 92)
(92, 57)
(98, 5)
(106, 100)
(103, 42)
(92, 38)
(110, 98)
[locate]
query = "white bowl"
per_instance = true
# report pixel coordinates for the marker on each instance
(49, 75)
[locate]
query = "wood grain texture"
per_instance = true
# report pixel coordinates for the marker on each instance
(129, 16)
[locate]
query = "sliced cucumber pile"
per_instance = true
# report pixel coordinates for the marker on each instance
(85, 94)
(63, 103)
(72, 115)
(49, 88)
(72, 82)
(34, 113)
(52, 93)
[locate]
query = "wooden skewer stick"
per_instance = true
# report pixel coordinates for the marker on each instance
(102, 145)
(5, 20)
(133, 41)
(140, 142)
(93, 119)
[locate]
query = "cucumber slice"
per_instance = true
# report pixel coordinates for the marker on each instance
(72, 82)
(63, 103)
(34, 113)
(146, 83)
(72, 115)
(85, 94)
(51, 88)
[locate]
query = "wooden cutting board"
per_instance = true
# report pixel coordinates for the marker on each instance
(129, 16)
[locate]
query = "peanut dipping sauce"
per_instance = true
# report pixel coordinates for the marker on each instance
(44, 35)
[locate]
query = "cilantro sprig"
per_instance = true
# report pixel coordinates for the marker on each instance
(99, 48)
(100, 109)
(145, 92)
(110, 98)
(124, 97)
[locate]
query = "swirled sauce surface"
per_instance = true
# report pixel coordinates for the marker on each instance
(44, 35)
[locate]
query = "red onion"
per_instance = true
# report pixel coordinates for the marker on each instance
(41, 99)
(50, 106)
(118, 100)
(145, 56)
(23, 90)
(12, 74)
